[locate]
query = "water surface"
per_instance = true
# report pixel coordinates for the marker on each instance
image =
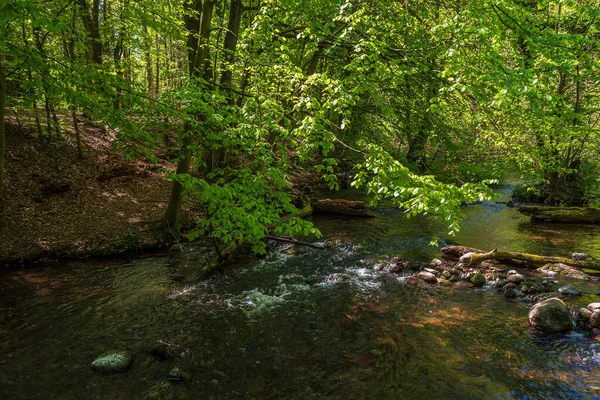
(299, 323)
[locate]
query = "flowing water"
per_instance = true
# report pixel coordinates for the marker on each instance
(300, 323)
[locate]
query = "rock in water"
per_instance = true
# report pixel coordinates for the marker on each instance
(551, 315)
(594, 307)
(509, 293)
(113, 361)
(595, 319)
(427, 277)
(569, 290)
(585, 313)
(478, 279)
(515, 278)
(179, 374)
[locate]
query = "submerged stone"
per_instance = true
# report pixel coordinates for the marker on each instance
(113, 361)
(510, 293)
(551, 315)
(179, 374)
(569, 290)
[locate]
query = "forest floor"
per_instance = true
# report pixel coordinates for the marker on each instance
(57, 206)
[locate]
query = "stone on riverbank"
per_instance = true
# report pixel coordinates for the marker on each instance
(595, 319)
(515, 278)
(585, 313)
(113, 361)
(593, 307)
(551, 315)
(427, 277)
(510, 293)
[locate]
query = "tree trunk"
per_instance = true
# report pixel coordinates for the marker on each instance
(77, 134)
(2, 129)
(197, 59)
(230, 44)
(91, 24)
(149, 77)
(157, 75)
(183, 167)
(219, 158)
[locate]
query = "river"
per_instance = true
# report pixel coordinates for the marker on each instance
(299, 323)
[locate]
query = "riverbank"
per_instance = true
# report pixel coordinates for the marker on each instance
(58, 206)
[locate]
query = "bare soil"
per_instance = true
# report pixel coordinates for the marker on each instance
(55, 205)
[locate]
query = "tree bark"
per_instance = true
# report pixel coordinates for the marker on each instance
(91, 24)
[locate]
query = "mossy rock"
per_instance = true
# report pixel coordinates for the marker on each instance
(478, 279)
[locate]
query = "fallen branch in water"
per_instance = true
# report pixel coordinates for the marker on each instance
(476, 256)
(229, 250)
(222, 256)
(292, 241)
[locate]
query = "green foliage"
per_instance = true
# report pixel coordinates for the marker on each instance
(386, 178)
(418, 96)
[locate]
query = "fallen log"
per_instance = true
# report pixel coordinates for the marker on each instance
(305, 211)
(589, 215)
(342, 207)
(476, 257)
(297, 242)
(455, 252)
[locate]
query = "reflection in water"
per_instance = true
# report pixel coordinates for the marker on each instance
(299, 323)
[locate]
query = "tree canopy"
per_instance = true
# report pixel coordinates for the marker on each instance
(423, 103)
